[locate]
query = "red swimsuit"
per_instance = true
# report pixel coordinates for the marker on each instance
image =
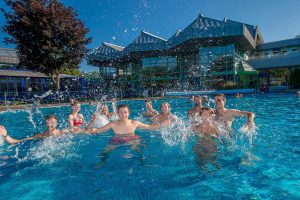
(77, 121)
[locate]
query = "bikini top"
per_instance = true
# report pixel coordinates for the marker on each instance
(77, 121)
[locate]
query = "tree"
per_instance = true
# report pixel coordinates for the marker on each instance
(74, 72)
(49, 37)
(295, 78)
(92, 75)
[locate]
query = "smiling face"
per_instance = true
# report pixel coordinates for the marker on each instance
(165, 108)
(206, 115)
(123, 113)
(219, 102)
(51, 124)
(76, 107)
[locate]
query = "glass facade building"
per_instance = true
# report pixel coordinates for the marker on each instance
(207, 54)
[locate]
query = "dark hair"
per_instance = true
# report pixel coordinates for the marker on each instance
(123, 106)
(48, 117)
(148, 101)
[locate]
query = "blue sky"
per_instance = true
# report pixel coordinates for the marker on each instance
(120, 21)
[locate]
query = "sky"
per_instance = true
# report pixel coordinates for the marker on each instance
(121, 21)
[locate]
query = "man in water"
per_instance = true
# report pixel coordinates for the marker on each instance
(124, 131)
(51, 124)
(195, 112)
(150, 111)
(226, 116)
(206, 148)
(165, 115)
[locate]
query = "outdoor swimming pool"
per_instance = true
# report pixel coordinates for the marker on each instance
(266, 167)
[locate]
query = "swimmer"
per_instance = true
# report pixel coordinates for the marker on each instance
(192, 98)
(51, 124)
(238, 95)
(194, 112)
(75, 119)
(298, 93)
(124, 125)
(99, 119)
(208, 127)
(111, 115)
(205, 100)
(226, 116)
(165, 115)
(150, 111)
(206, 147)
(124, 132)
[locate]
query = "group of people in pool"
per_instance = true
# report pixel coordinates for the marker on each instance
(205, 122)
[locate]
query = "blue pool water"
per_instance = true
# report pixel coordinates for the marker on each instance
(266, 166)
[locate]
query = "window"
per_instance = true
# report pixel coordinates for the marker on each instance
(166, 62)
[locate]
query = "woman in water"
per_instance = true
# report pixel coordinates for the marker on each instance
(75, 119)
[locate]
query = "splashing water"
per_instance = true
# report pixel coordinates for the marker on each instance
(34, 107)
(249, 132)
(177, 133)
(52, 149)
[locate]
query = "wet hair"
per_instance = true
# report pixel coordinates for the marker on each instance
(198, 97)
(164, 103)
(207, 109)
(48, 117)
(74, 102)
(221, 95)
(148, 101)
(123, 106)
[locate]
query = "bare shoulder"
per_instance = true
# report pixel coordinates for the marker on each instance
(71, 116)
(135, 122)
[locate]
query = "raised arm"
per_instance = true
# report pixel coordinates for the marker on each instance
(113, 104)
(250, 116)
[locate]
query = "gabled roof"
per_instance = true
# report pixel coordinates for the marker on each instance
(106, 50)
(146, 42)
(175, 35)
(204, 22)
(204, 27)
